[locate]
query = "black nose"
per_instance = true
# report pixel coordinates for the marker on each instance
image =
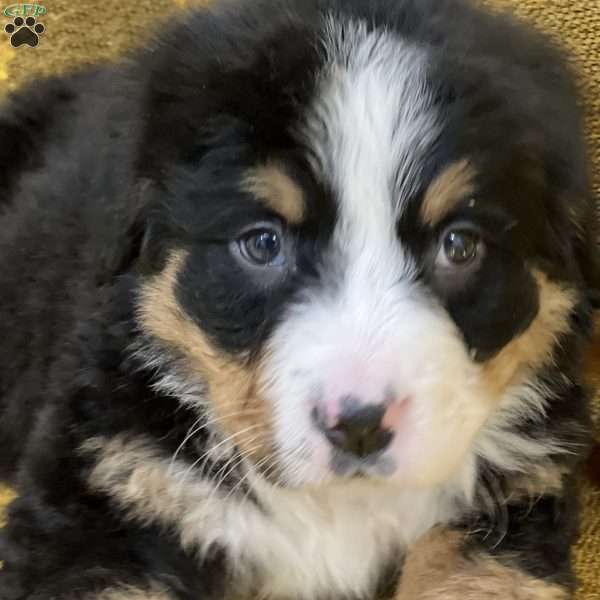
(359, 431)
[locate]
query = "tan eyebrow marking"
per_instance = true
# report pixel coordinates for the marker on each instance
(448, 189)
(275, 189)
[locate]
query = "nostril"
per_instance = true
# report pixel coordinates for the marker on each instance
(359, 431)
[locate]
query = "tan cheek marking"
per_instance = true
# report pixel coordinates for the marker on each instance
(276, 190)
(234, 393)
(449, 188)
(534, 347)
(435, 569)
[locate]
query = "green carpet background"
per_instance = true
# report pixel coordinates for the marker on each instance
(84, 31)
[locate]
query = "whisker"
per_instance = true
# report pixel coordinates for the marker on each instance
(200, 424)
(243, 453)
(206, 455)
(239, 459)
(250, 471)
(191, 432)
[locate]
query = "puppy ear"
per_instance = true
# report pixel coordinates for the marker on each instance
(143, 238)
(28, 119)
(25, 118)
(125, 237)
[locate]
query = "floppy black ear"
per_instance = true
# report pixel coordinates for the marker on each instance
(24, 122)
(135, 238)
(127, 232)
(28, 119)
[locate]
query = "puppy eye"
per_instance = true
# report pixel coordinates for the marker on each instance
(459, 248)
(262, 246)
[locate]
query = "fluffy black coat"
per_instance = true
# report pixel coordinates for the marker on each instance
(94, 186)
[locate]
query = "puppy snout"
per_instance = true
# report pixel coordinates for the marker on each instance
(360, 429)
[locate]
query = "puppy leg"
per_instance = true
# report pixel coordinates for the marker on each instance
(439, 567)
(89, 555)
(117, 592)
(88, 584)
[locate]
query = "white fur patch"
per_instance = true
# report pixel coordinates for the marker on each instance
(301, 544)
(502, 445)
(373, 120)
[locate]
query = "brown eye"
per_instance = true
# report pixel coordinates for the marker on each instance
(262, 247)
(459, 248)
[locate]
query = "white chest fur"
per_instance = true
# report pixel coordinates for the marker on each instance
(312, 543)
(303, 544)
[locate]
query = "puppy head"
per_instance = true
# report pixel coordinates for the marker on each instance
(371, 242)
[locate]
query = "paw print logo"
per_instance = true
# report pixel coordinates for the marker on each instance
(24, 31)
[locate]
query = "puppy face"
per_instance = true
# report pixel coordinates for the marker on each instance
(366, 265)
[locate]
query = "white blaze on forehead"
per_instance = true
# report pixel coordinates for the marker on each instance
(372, 123)
(376, 329)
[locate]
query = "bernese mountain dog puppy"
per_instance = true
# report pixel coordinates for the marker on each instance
(294, 303)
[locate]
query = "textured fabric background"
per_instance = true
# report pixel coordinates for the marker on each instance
(81, 31)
